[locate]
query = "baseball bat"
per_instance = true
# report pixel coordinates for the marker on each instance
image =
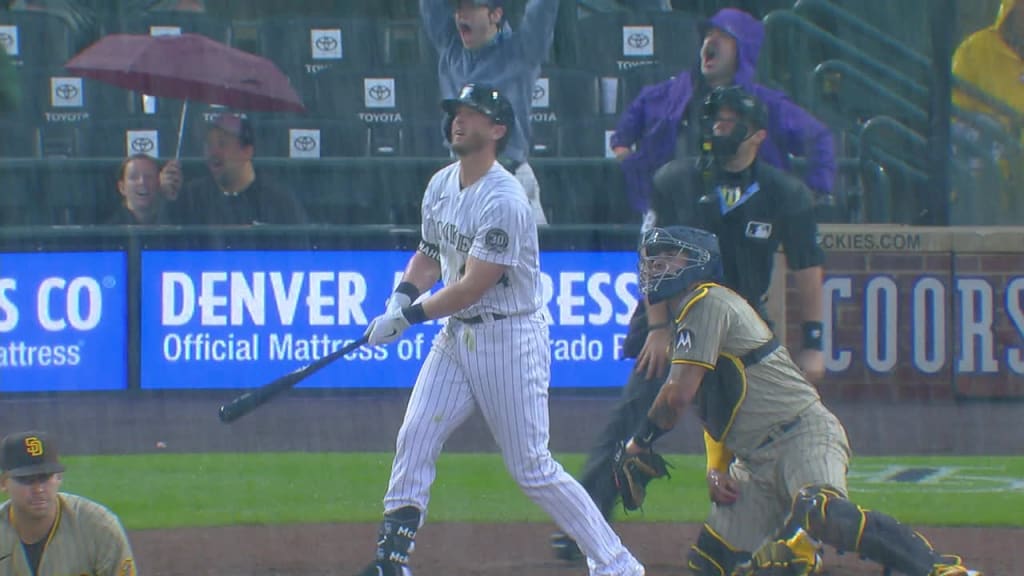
(253, 399)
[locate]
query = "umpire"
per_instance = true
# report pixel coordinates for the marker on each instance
(753, 208)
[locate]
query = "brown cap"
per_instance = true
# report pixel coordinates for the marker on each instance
(28, 454)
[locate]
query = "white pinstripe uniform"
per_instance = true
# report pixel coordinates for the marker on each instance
(499, 365)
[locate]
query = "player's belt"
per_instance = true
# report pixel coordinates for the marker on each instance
(481, 318)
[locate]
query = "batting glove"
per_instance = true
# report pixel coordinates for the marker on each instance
(386, 328)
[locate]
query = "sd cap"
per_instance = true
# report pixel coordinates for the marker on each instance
(28, 454)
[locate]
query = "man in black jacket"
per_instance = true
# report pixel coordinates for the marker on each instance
(752, 208)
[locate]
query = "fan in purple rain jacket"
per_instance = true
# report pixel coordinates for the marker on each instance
(663, 125)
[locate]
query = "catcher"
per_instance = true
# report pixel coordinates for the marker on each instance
(777, 457)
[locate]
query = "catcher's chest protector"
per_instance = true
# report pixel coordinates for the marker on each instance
(723, 389)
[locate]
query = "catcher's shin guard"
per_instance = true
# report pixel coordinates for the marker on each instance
(826, 515)
(712, 555)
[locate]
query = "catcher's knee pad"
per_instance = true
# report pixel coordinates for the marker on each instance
(712, 555)
(826, 515)
(397, 535)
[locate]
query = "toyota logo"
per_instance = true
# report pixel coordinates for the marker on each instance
(304, 143)
(7, 41)
(538, 92)
(66, 91)
(326, 44)
(143, 145)
(379, 92)
(638, 40)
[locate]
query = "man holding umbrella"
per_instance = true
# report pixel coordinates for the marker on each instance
(231, 192)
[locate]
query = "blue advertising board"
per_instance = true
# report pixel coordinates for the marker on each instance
(240, 319)
(63, 321)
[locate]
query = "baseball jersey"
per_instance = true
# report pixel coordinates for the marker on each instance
(490, 220)
(752, 213)
(86, 539)
(715, 321)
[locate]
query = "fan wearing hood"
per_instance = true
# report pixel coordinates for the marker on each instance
(662, 124)
(992, 60)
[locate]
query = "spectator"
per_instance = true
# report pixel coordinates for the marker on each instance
(138, 182)
(231, 193)
(477, 45)
(664, 120)
(992, 60)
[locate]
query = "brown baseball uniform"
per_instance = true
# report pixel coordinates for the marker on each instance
(769, 417)
(86, 539)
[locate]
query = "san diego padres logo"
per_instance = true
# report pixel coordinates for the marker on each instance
(33, 446)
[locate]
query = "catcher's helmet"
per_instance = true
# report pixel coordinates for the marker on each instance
(484, 99)
(673, 259)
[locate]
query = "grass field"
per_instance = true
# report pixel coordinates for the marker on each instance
(178, 490)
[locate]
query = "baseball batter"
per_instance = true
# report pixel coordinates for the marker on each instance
(777, 457)
(493, 353)
(45, 532)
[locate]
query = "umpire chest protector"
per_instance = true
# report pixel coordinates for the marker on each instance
(723, 390)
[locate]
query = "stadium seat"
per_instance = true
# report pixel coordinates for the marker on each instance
(174, 23)
(307, 138)
(395, 111)
(20, 138)
(36, 39)
(55, 96)
(309, 46)
(564, 101)
(404, 43)
(615, 43)
(158, 137)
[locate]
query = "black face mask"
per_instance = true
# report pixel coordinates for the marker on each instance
(724, 147)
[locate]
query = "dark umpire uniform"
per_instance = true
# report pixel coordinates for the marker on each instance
(752, 212)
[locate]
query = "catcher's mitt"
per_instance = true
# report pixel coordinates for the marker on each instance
(632, 473)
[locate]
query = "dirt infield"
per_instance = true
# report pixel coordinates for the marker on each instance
(132, 423)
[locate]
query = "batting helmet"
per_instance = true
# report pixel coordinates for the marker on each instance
(484, 99)
(673, 259)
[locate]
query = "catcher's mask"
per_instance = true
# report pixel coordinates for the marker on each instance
(675, 258)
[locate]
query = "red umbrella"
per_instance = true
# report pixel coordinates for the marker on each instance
(188, 67)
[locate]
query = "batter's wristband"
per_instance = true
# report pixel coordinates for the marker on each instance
(409, 289)
(414, 314)
(647, 434)
(813, 333)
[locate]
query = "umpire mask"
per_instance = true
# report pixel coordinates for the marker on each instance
(747, 116)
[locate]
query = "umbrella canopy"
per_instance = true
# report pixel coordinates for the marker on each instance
(188, 67)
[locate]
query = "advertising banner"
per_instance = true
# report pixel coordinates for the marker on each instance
(240, 319)
(63, 321)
